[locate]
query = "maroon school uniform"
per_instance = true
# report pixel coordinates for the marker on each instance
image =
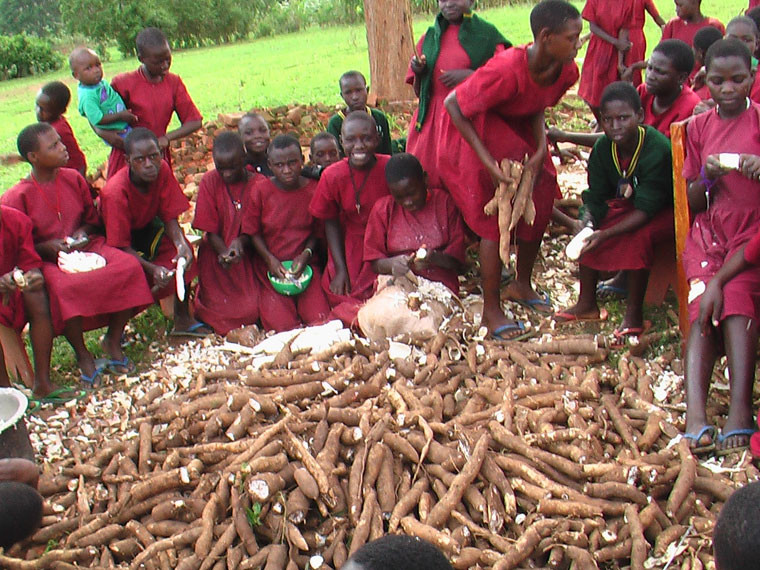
(636, 35)
(227, 297)
(734, 213)
(154, 104)
(681, 30)
(57, 209)
(77, 160)
(500, 99)
(679, 110)
(285, 224)
(336, 197)
(392, 230)
(125, 209)
(752, 4)
(17, 250)
(600, 66)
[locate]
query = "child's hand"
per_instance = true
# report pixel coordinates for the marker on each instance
(703, 107)
(50, 249)
(7, 284)
(593, 241)
(163, 142)
(184, 250)
(276, 268)
(400, 264)
(300, 262)
(34, 280)
(340, 284)
(233, 254)
(749, 166)
(699, 79)
(710, 307)
(130, 117)
(161, 276)
(418, 65)
(713, 168)
(626, 73)
(623, 45)
(454, 77)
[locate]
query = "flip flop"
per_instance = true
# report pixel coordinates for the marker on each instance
(125, 364)
(100, 366)
(543, 301)
(192, 332)
(621, 336)
(604, 291)
(516, 327)
(695, 437)
(566, 317)
(57, 397)
(722, 437)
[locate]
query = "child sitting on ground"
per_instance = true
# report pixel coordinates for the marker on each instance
(688, 21)
(227, 294)
(50, 105)
(283, 230)
(254, 131)
(324, 150)
(724, 201)
(399, 552)
(415, 217)
(737, 531)
(353, 90)
(703, 39)
(629, 205)
(98, 102)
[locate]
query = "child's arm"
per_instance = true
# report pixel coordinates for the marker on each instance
(177, 236)
(341, 283)
(127, 116)
(438, 259)
(631, 222)
(110, 137)
(396, 265)
(626, 45)
(302, 259)
(179, 133)
(418, 67)
(654, 13)
(273, 264)
(584, 139)
(621, 43)
(699, 190)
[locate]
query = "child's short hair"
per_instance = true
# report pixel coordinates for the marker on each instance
(251, 115)
(58, 93)
(621, 91)
(707, 36)
(75, 54)
(227, 142)
(552, 15)
(150, 38)
(20, 512)
(743, 20)
(728, 48)
(403, 166)
(323, 136)
(754, 15)
(400, 552)
(362, 116)
(353, 74)
(281, 142)
(137, 135)
(29, 138)
(737, 532)
(679, 53)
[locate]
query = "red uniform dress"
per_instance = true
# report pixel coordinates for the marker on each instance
(600, 66)
(18, 251)
(57, 210)
(636, 35)
(500, 99)
(227, 297)
(681, 30)
(154, 104)
(393, 230)
(125, 209)
(681, 108)
(279, 217)
(77, 161)
(734, 213)
(752, 4)
(336, 197)
(431, 142)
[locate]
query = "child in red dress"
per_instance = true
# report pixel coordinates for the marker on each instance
(724, 200)
(154, 95)
(456, 44)
(64, 219)
(635, 58)
(227, 294)
(415, 217)
(324, 150)
(344, 197)
(688, 21)
(254, 130)
(140, 206)
(282, 230)
(703, 39)
(50, 105)
(499, 112)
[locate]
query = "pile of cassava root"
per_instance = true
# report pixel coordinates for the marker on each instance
(504, 455)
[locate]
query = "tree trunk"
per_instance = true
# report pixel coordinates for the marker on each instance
(389, 37)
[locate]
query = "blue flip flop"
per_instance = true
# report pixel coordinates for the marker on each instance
(515, 327)
(193, 331)
(113, 365)
(722, 437)
(605, 291)
(60, 396)
(100, 366)
(695, 437)
(543, 301)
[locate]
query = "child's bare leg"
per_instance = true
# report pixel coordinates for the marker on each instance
(740, 338)
(700, 359)
(637, 288)
(490, 274)
(73, 332)
(112, 340)
(521, 289)
(182, 319)
(41, 335)
(586, 307)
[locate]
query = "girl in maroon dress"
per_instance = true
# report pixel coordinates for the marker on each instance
(64, 219)
(50, 106)
(724, 200)
(636, 56)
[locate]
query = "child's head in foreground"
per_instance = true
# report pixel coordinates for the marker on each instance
(20, 512)
(153, 52)
(285, 161)
(41, 146)
(621, 113)
(737, 533)
(52, 101)
(669, 67)
(254, 130)
(398, 552)
(143, 155)
(229, 157)
(360, 139)
(86, 66)
(729, 75)
(703, 39)
(324, 149)
(406, 181)
(353, 90)
(557, 26)
(743, 29)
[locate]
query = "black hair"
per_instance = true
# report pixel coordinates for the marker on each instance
(359, 116)
(253, 115)
(323, 136)
(150, 38)
(58, 93)
(737, 532)
(679, 53)
(728, 48)
(552, 15)
(754, 15)
(29, 138)
(743, 20)
(137, 135)
(400, 552)
(20, 512)
(403, 166)
(621, 91)
(281, 142)
(707, 36)
(353, 74)
(228, 142)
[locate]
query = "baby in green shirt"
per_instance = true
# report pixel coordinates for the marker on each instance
(103, 107)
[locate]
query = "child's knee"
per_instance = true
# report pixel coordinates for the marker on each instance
(36, 305)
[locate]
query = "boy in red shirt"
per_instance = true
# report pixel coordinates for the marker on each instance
(50, 105)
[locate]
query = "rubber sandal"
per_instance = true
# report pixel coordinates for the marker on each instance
(192, 332)
(123, 366)
(543, 301)
(722, 437)
(604, 291)
(565, 317)
(100, 366)
(695, 437)
(621, 336)
(57, 397)
(515, 327)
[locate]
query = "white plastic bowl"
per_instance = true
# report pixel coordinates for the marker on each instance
(12, 407)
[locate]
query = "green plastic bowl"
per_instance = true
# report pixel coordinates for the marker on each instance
(284, 287)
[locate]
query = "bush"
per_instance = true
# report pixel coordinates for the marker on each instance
(23, 55)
